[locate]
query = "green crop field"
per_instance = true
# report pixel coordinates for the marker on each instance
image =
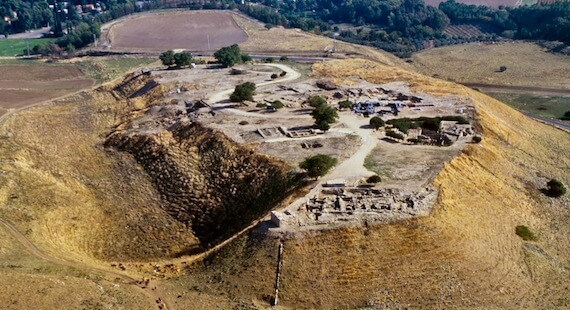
(13, 47)
(542, 106)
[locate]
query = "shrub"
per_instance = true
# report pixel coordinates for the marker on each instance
(283, 73)
(316, 101)
(243, 123)
(555, 188)
(245, 58)
(394, 134)
(525, 233)
(274, 76)
(277, 104)
(376, 122)
(284, 58)
(269, 59)
(476, 139)
(374, 179)
(566, 116)
(167, 58)
(318, 165)
(346, 104)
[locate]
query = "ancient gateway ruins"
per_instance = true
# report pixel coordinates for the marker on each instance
(339, 205)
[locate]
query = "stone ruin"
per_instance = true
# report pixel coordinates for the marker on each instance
(341, 205)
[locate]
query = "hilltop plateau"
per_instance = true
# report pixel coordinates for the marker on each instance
(156, 190)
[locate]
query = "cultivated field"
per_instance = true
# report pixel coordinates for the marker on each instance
(36, 82)
(527, 64)
(177, 30)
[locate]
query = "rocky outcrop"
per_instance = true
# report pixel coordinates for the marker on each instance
(210, 183)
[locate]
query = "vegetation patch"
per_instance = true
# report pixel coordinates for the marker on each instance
(542, 106)
(13, 47)
(525, 233)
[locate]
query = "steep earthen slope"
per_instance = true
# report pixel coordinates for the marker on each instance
(207, 181)
(78, 200)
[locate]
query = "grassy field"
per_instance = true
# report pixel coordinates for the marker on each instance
(12, 47)
(107, 69)
(527, 64)
(543, 106)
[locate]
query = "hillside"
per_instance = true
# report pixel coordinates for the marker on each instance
(465, 255)
(106, 199)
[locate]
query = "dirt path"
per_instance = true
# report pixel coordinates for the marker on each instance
(155, 295)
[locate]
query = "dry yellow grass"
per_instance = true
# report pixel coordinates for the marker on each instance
(280, 40)
(466, 255)
(527, 64)
(70, 196)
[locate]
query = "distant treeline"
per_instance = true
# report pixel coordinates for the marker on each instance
(398, 26)
(403, 27)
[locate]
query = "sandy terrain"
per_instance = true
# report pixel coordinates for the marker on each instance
(181, 30)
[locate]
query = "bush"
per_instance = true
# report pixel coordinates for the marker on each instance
(555, 188)
(318, 165)
(245, 58)
(243, 123)
(394, 134)
(284, 58)
(525, 233)
(167, 58)
(376, 122)
(269, 59)
(566, 116)
(274, 76)
(283, 73)
(345, 104)
(316, 101)
(374, 179)
(476, 139)
(243, 92)
(277, 104)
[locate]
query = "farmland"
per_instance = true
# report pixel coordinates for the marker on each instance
(30, 81)
(28, 84)
(542, 106)
(11, 47)
(181, 30)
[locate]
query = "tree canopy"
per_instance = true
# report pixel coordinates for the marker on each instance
(324, 115)
(243, 92)
(318, 165)
(228, 56)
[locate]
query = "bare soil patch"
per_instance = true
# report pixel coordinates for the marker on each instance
(32, 83)
(39, 73)
(177, 30)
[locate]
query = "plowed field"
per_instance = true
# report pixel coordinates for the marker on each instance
(184, 30)
(24, 85)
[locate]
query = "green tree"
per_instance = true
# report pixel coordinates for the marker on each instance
(167, 58)
(316, 101)
(318, 165)
(324, 115)
(243, 92)
(182, 59)
(376, 122)
(228, 56)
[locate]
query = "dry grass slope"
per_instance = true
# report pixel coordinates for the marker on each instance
(465, 255)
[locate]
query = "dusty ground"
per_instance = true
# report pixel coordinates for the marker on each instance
(203, 31)
(27, 84)
(527, 64)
